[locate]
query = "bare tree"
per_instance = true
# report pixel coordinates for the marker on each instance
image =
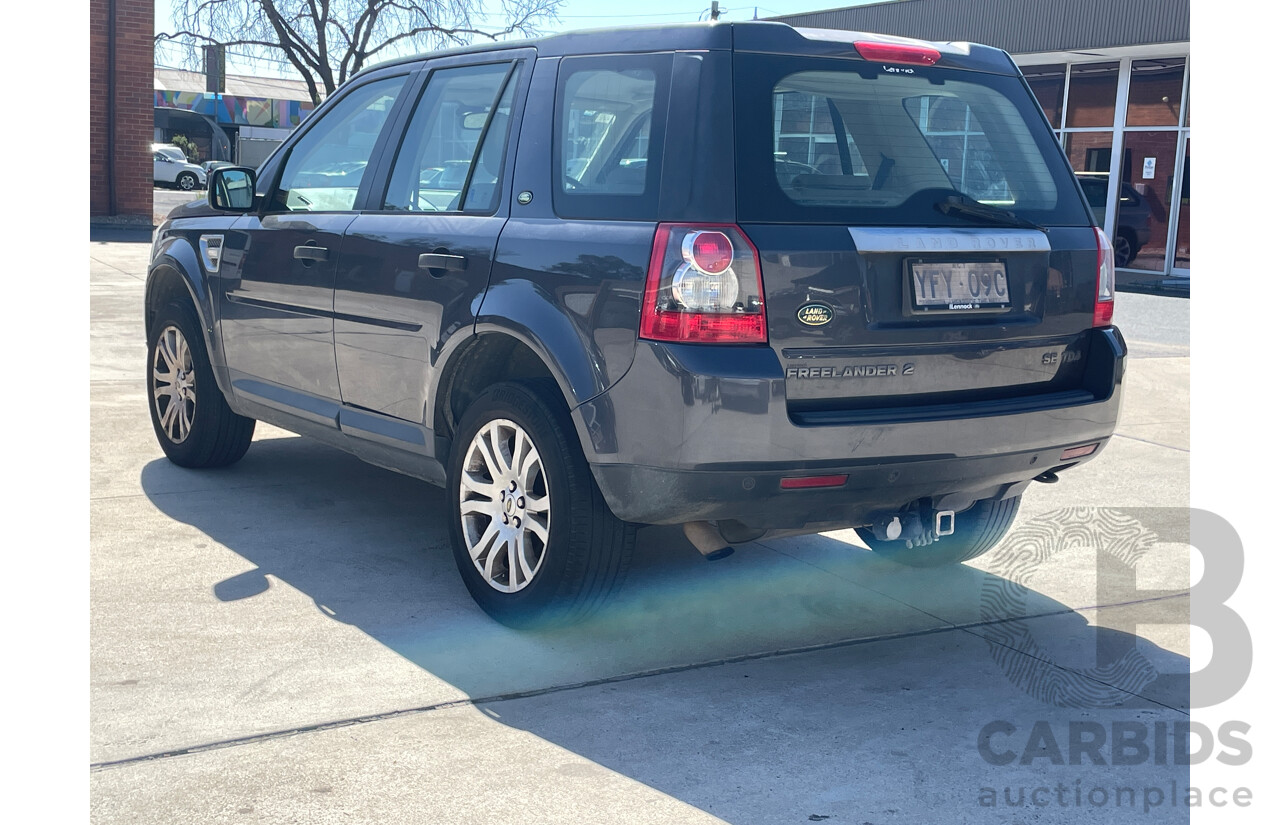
(327, 41)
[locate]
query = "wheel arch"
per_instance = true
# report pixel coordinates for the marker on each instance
(484, 359)
(177, 275)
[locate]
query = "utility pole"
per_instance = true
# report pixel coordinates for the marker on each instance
(715, 9)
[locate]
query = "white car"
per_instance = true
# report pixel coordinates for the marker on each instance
(170, 166)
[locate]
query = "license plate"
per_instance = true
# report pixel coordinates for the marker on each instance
(959, 286)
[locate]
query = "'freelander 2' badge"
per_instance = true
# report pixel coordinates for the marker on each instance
(815, 315)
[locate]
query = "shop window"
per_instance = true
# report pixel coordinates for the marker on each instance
(1091, 98)
(1048, 84)
(1155, 92)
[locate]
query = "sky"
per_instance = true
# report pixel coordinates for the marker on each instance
(574, 14)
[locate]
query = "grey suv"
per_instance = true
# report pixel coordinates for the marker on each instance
(743, 278)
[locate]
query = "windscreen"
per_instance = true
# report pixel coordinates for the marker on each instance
(864, 143)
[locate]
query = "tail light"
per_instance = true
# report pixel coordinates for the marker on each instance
(898, 53)
(1104, 301)
(703, 287)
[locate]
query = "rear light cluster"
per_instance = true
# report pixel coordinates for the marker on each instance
(703, 287)
(1104, 302)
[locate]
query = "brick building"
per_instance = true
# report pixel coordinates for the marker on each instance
(120, 109)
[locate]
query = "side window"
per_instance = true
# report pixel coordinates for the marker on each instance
(327, 164)
(610, 122)
(459, 108)
(606, 119)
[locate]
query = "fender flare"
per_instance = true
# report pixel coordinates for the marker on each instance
(176, 255)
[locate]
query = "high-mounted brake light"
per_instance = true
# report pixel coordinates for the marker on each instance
(703, 286)
(898, 53)
(1104, 303)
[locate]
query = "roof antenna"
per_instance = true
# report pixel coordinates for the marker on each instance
(715, 9)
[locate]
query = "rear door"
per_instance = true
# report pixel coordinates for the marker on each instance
(924, 247)
(415, 261)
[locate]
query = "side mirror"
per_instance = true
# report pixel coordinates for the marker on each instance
(231, 188)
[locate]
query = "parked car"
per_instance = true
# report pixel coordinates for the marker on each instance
(209, 165)
(172, 151)
(626, 313)
(170, 171)
(1133, 217)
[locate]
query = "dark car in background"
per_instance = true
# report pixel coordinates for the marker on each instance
(568, 280)
(1133, 217)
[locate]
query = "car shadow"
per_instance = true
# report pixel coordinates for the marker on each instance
(886, 680)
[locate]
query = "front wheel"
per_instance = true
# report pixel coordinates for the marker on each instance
(977, 530)
(532, 537)
(193, 423)
(187, 181)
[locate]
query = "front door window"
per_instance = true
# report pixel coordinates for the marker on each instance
(326, 166)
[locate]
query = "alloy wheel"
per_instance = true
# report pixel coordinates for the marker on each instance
(173, 385)
(505, 506)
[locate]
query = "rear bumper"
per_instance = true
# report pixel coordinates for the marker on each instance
(703, 433)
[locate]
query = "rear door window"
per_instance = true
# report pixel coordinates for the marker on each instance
(610, 114)
(459, 109)
(863, 143)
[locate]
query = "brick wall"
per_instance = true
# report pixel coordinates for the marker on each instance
(123, 187)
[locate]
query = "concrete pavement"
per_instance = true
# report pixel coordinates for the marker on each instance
(287, 640)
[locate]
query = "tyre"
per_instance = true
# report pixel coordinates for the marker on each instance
(192, 421)
(187, 181)
(1125, 246)
(977, 530)
(533, 538)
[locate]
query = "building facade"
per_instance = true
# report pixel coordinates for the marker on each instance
(1113, 79)
(120, 111)
(241, 124)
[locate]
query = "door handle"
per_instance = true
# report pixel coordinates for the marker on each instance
(437, 260)
(311, 253)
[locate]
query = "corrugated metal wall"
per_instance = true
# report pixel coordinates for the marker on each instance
(1017, 26)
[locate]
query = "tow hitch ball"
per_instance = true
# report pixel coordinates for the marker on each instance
(911, 526)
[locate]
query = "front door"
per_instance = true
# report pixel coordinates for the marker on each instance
(277, 300)
(414, 262)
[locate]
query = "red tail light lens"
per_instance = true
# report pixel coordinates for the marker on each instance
(711, 252)
(1104, 303)
(898, 53)
(703, 286)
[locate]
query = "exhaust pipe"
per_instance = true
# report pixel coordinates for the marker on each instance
(704, 536)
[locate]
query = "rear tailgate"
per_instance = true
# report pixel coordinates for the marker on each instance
(884, 301)
(844, 322)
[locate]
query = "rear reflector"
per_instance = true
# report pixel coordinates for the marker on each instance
(898, 53)
(803, 482)
(1078, 452)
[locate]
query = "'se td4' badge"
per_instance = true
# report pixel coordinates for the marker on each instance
(815, 315)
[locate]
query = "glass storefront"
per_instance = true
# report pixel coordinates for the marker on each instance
(1125, 127)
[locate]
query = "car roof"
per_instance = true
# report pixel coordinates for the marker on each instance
(760, 36)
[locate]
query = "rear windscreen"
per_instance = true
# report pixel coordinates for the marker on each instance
(864, 143)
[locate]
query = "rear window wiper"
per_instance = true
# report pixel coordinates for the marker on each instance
(967, 207)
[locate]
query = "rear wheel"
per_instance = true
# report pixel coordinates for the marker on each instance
(533, 539)
(977, 530)
(193, 423)
(1125, 247)
(187, 181)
